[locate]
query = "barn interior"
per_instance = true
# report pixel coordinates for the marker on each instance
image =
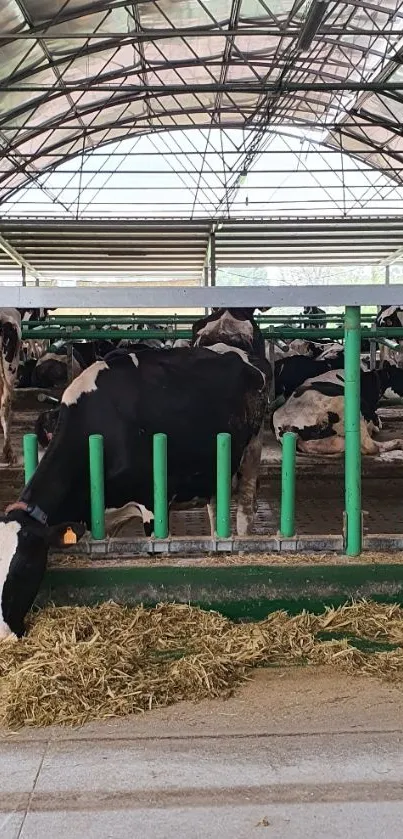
(161, 159)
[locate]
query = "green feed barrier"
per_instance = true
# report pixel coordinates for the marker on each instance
(352, 416)
(352, 333)
(96, 452)
(30, 447)
(160, 486)
(223, 486)
(287, 514)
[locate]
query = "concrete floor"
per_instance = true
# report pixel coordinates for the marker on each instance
(302, 753)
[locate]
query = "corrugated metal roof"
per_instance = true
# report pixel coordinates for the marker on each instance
(167, 250)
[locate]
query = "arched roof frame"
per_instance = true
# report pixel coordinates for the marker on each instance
(74, 75)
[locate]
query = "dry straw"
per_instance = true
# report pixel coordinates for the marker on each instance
(80, 664)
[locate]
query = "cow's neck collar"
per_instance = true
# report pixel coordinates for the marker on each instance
(31, 510)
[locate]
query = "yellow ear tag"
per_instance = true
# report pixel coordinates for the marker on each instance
(69, 537)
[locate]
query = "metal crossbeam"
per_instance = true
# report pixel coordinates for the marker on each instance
(16, 257)
(188, 297)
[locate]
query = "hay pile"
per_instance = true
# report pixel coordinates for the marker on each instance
(81, 664)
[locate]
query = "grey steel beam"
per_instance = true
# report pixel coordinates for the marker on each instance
(196, 88)
(20, 260)
(393, 257)
(195, 32)
(189, 297)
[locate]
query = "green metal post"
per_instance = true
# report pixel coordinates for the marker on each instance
(30, 446)
(160, 486)
(287, 513)
(352, 411)
(223, 486)
(97, 488)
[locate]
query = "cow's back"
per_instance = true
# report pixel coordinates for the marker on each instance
(190, 395)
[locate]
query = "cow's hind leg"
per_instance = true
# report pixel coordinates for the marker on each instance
(5, 416)
(390, 445)
(248, 475)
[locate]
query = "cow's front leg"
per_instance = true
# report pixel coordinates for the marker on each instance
(212, 510)
(5, 415)
(248, 475)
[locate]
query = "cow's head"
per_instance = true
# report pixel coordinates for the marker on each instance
(45, 426)
(234, 327)
(391, 378)
(390, 316)
(25, 540)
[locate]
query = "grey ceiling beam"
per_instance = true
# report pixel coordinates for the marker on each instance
(190, 297)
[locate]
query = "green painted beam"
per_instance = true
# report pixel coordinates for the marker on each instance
(239, 591)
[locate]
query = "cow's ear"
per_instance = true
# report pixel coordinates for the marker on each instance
(68, 533)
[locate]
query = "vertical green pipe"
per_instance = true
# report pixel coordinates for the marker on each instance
(287, 513)
(30, 445)
(160, 486)
(352, 411)
(223, 485)
(97, 489)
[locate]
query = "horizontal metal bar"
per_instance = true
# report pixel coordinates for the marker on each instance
(218, 30)
(286, 332)
(234, 86)
(187, 297)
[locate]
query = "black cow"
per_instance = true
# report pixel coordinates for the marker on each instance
(45, 426)
(190, 394)
(290, 373)
(315, 322)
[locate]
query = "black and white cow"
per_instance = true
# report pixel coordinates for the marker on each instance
(190, 394)
(51, 369)
(45, 426)
(290, 373)
(234, 327)
(318, 321)
(10, 347)
(315, 412)
(391, 317)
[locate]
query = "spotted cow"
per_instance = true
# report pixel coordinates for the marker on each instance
(190, 395)
(315, 412)
(10, 346)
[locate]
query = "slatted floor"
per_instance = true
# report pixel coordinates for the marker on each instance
(319, 509)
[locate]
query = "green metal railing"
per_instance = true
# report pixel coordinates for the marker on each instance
(287, 509)
(352, 431)
(352, 332)
(160, 473)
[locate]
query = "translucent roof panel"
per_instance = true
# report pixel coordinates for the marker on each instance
(201, 174)
(77, 74)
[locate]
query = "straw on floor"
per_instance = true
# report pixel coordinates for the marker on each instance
(79, 664)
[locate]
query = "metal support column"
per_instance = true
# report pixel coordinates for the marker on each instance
(97, 486)
(212, 260)
(223, 485)
(160, 477)
(30, 444)
(352, 412)
(287, 512)
(23, 275)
